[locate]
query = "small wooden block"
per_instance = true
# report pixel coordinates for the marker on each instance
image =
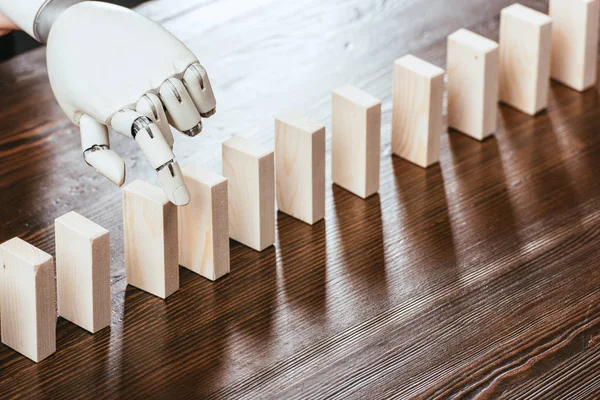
(356, 141)
(83, 272)
(300, 167)
(150, 233)
(574, 42)
(28, 299)
(417, 123)
(525, 44)
(204, 224)
(250, 172)
(472, 84)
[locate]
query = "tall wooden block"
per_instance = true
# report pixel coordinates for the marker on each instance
(417, 124)
(356, 141)
(250, 172)
(472, 84)
(83, 272)
(300, 167)
(150, 233)
(204, 224)
(574, 42)
(525, 44)
(28, 299)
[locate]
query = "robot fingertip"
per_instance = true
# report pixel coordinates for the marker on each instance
(181, 196)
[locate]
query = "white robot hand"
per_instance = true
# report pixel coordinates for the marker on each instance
(111, 67)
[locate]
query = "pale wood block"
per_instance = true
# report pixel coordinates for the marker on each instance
(204, 224)
(83, 272)
(28, 299)
(356, 140)
(300, 167)
(150, 233)
(574, 42)
(472, 84)
(417, 124)
(525, 45)
(250, 172)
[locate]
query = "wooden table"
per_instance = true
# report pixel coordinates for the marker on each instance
(479, 276)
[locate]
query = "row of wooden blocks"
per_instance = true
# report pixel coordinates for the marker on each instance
(533, 48)
(158, 236)
(240, 204)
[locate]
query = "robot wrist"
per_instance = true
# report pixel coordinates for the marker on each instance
(47, 14)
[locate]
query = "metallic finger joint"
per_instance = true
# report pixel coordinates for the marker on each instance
(209, 113)
(168, 164)
(195, 131)
(94, 148)
(142, 123)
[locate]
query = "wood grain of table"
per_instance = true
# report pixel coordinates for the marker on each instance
(476, 277)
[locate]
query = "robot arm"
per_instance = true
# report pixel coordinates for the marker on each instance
(111, 67)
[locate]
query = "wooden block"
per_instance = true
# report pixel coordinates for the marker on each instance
(356, 141)
(574, 42)
(250, 172)
(204, 224)
(472, 84)
(300, 167)
(83, 272)
(417, 124)
(525, 43)
(150, 233)
(28, 299)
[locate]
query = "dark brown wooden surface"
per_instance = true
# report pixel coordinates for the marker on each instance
(477, 277)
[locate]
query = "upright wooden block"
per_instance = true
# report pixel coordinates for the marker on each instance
(204, 224)
(250, 172)
(83, 272)
(300, 167)
(417, 124)
(472, 84)
(574, 42)
(356, 141)
(28, 299)
(525, 44)
(150, 233)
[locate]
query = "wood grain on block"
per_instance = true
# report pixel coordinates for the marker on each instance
(356, 140)
(250, 172)
(472, 84)
(525, 44)
(575, 42)
(150, 234)
(300, 167)
(418, 93)
(83, 272)
(204, 224)
(28, 299)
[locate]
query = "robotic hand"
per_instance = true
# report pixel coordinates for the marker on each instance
(109, 66)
